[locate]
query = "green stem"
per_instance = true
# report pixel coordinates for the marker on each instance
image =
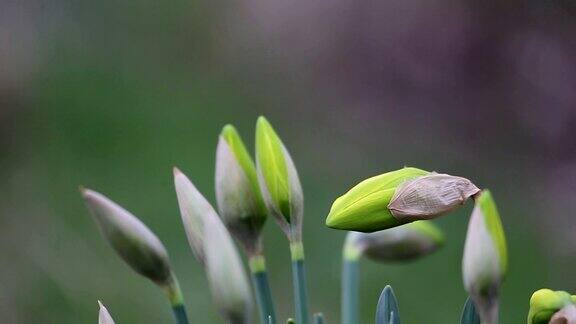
(174, 294)
(299, 282)
(487, 307)
(350, 291)
(262, 288)
(180, 314)
(318, 318)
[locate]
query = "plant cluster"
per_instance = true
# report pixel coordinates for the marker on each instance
(388, 218)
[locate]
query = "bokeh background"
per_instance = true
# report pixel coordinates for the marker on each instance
(112, 94)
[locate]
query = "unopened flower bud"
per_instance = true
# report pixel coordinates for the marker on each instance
(402, 243)
(546, 303)
(228, 280)
(399, 197)
(238, 194)
(278, 180)
(194, 209)
(364, 208)
(132, 240)
(485, 259)
(103, 315)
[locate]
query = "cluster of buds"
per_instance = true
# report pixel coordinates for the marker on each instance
(388, 216)
(411, 195)
(246, 193)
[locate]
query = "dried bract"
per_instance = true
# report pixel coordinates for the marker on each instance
(430, 196)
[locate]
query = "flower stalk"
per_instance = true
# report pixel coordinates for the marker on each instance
(174, 294)
(259, 274)
(299, 282)
(350, 285)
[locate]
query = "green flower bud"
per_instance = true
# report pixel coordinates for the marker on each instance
(226, 275)
(364, 208)
(403, 243)
(485, 258)
(238, 194)
(398, 197)
(103, 315)
(545, 303)
(278, 180)
(132, 240)
(194, 209)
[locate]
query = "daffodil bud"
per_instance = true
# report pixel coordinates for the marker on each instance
(132, 240)
(278, 180)
(103, 315)
(398, 197)
(194, 209)
(546, 303)
(485, 260)
(403, 243)
(226, 275)
(238, 194)
(364, 208)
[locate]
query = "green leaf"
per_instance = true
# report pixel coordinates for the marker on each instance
(387, 310)
(469, 315)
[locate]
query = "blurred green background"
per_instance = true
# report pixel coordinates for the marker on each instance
(112, 94)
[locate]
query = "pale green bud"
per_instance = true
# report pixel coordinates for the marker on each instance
(238, 194)
(278, 180)
(132, 240)
(402, 243)
(398, 197)
(103, 315)
(226, 275)
(364, 208)
(194, 209)
(485, 258)
(545, 303)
